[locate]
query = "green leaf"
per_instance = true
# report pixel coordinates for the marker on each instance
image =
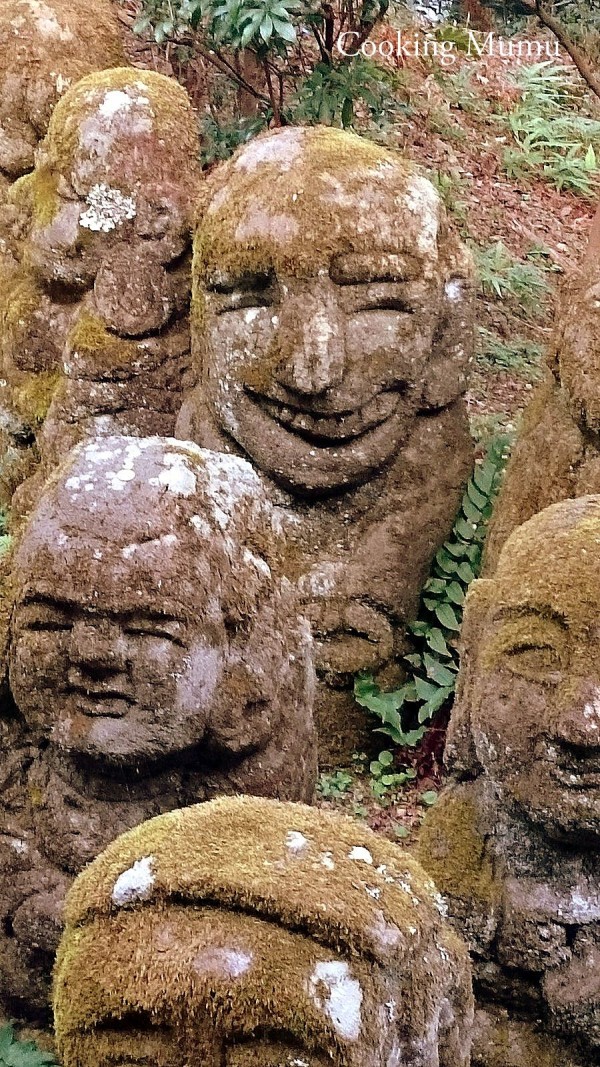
(590, 162)
(466, 573)
(455, 593)
(436, 641)
(428, 710)
(386, 758)
(477, 498)
(483, 476)
(401, 831)
(445, 561)
(470, 511)
(446, 615)
(429, 798)
(266, 29)
(464, 529)
(347, 112)
(425, 689)
(434, 585)
(438, 672)
(285, 30)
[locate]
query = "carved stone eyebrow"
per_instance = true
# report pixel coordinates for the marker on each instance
(361, 268)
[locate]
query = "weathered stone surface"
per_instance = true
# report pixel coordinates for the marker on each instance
(94, 325)
(157, 657)
(514, 842)
(332, 325)
(324, 944)
(557, 455)
(45, 47)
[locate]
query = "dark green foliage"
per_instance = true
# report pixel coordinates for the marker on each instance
(405, 713)
(220, 139)
(15, 1053)
(329, 95)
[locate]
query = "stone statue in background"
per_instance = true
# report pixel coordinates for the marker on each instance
(514, 841)
(323, 946)
(331, 328)
(156, 658)
(557, 455)
(94, 328)
(45, 47)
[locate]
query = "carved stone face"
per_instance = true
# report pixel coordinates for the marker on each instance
(315, 950)
(118, 165)
(532, 688)
(327, 292)
(45, 46)
(148, 620)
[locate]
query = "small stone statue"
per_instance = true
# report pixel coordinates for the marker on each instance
(45, 47)
(514, 841)
(250, 933)
(94, 327)
(557, 455)
(156, 658)
(331, 328)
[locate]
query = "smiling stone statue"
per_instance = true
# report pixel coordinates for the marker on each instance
(331, 327)
(156, 657)
(323, 947)
(514, 842)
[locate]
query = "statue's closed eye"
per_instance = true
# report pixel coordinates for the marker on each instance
(246, 291)
(530, 646)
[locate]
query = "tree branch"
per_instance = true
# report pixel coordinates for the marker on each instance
(583, 66)
(227, 68)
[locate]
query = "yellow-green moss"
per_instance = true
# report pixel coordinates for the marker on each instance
(33, 397)
(18, 304)
(283, 884)
(172, 118)
(452, 851)
(301, 208)
(91, 340)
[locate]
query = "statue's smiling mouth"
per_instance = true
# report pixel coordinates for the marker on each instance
(575, 767)
(329, 429)
(101, 701)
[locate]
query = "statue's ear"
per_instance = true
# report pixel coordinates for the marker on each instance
(460, 755)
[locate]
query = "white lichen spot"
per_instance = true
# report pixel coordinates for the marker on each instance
(296, 842)
(251, 315)
(327, 861)
(107, 209)
(454, 289)
(201, 526)
(343, 997)
(135, 883)
(73, 483)
(258, 562)
(177, 478)
(373, 891)
(362, 855)
(391, 1007)
(19, 846)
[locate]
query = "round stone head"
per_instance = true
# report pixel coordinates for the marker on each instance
(528, 712)
(45, 47)
(330, 306)
(150, 621)
(117, 168)
(248, 933)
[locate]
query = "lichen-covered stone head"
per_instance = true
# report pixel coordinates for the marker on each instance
(330, 306)
(246, 932)
(118, 165)
(45, 47)
(151, 623)
(528, 712)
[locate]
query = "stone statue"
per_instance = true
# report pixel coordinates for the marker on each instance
(557, 455)
(249, 932)
(331, 327)
(45, 46)
(156, 658)
(94, 327)
(514, 841)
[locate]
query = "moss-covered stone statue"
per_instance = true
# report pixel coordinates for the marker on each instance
(248, 932)
(95, 328)
(45, 47)
(557, 455)
(156, 658)
(331, 327)
(514, 842)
